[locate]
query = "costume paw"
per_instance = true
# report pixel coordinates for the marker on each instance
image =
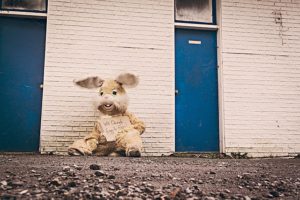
(133, 152)
(78, 152)
(75, 152)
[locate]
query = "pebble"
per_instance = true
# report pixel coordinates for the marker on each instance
(16, 183)
(23, 192)
(148, 190)
(111, 187)
(95, 167)
(77, 167)
(121, 192)
(209, 198)
(111, 177)
(72, 184)
(247, 198)
(275, 193)
(4, 183)
(188, 190)
(55, 182)
(223, 195)
(100, 173)
(66, 168)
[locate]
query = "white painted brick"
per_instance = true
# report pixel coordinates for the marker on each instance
(261, 77)
(106, 38)
(261, 71)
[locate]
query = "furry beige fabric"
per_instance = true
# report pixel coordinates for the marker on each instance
(112, 101)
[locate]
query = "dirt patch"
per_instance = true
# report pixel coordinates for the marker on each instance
(45, 177)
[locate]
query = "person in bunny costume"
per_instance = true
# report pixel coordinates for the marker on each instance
(112, 101)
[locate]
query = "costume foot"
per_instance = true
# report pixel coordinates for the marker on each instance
(133, 153)
(74, 152)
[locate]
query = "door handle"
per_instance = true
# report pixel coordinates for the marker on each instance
(176, 92)
(41, 86)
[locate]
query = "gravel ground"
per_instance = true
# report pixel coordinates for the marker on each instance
(63, 177)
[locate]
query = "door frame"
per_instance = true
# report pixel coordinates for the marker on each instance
(217, 28)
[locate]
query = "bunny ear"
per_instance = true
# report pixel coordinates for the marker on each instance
(128, 80)
(90, 82)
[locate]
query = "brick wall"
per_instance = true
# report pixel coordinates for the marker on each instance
(260, 72)
(261, 76)
(104, 38)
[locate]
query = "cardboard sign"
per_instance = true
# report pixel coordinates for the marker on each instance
(110, 126)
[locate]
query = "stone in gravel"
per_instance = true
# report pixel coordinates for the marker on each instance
(66, 168)
(188, 190)
(37, 175)
(32, 171)
(95, 167)
(71, 172)
(247, 198)
(23, 192)
(121, 193)
(72, 184)
(111, 177)
(138, 190)
(16, 183)
(269, 195)
(246, 175)
(174, 193)
(148, 190)
(223, 195)
(8, 197)
(169, 175)
(100, 173)
(77, 167)
(100, 180)
(4, 183)
(275, 193)
(212, 172)
(111, 187)
(55, 182)
(209, 198)
(227, 191)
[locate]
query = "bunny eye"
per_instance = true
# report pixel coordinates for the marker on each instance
(101, 93)
(114, 92)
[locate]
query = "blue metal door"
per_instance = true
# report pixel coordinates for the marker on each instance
(22, 47)
(196, 91)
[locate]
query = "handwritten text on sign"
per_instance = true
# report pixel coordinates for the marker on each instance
(110, 126)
